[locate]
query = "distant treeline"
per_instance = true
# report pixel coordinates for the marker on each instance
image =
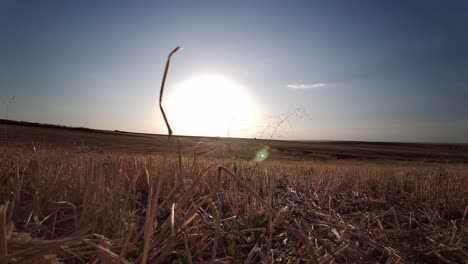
(32, 124)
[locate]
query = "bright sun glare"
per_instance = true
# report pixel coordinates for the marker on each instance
(211, 105)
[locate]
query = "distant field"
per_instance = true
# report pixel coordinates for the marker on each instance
(91, 196)
(84, 140)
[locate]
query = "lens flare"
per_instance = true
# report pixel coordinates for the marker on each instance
(261, 155)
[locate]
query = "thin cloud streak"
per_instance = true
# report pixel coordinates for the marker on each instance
(307, 85)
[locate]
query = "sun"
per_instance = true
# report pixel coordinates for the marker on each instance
(211, 105)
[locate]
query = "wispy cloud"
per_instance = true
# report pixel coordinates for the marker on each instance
(307, 85)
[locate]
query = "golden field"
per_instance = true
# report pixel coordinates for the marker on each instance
(144, 199)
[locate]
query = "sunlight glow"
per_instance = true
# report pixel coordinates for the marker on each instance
(211, 105)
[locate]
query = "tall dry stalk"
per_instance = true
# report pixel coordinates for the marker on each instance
(161, 91)
(153, 198)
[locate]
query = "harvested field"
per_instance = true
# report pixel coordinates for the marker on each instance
(77, 196)
(28, 135)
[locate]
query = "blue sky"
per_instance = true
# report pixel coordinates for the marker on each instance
(363, 70)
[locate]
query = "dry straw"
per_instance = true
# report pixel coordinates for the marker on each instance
(161, 91)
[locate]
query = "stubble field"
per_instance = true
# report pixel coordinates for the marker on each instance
(87, 196)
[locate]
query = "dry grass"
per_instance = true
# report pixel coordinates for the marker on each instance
(96, 208)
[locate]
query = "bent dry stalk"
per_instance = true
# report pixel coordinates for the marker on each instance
(166, 69)
(152, 209)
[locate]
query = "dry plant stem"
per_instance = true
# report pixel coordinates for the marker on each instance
(245, 185)
(215, 243)
(3, 234)
(161, 92)
(173, 220)
(251, 254)
(153, 198)
(42, 245)
(149, 220)
(108, 256)
(155, 202)
(188, 255)
(300, 234)
(270, 219)
(123, 252)
(181, 168)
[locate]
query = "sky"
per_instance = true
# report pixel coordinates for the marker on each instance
(313, 70)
